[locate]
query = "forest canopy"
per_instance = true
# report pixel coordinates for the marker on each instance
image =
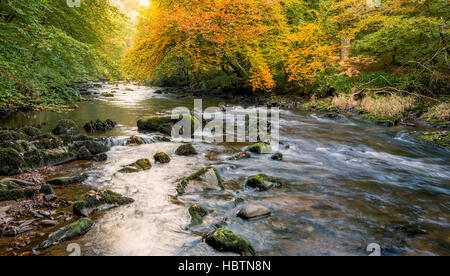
(292, 45)
(45, 45)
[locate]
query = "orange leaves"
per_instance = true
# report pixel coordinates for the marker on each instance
(311, 50)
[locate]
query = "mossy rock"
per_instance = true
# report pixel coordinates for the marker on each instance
(441, 138)
(197, 213)
(206, 178)
(101, 157)
(66, 139)
(11, 191)
(11, 162)
(19, 146)
(277, 156)
(382, 120)
(47, 141)
(39, 158)
(97, 201)
(224, 240)
(31, 131)
(135, 140)
(162, 123)
(46, 189)
(140, 165)
(85, 149)
(99, 125)
(108, 95)
(263, 182)
(73, 230)
(62, 181)
(162, 158)
(240, 156)
(12, 135)
(66, 127)
(259, 148)
(186, 150)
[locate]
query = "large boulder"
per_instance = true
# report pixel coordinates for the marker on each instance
(253, 211)
(207, 178)
(88, 149)
(62, 181)
(135, 140)
(226, 241)
(99, 125)
(73, 230)
(11, 162)
(95, 201)
(186, 150)
(162, 123)
(140, 165)
(263, 182)
(66, 127)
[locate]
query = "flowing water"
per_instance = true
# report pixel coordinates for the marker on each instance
(348, 183)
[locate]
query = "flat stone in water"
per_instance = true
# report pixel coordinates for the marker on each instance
(254, 211)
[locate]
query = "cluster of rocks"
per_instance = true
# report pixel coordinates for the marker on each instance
(28, 148)
(209, 178)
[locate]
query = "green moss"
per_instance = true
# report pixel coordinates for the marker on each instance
(161, 157)
(162, 123)
(93, 147)
(259, 148)
(382, 120)
(197, 213)
(12, 135)
(277, 156)
(99, 125)
(46, 189)
(321, 105)
(68, 180)
(66, 127)
(73, 230)
(441, 138)
(47, 141)
(90, 202)
(108, 95)
(11, 162)
(186, 150)
(226, 241)
(259, 182)
(140, 165)
(135, 140)
(181, 188)
(31, 131)
(12, 194)
(14, 145)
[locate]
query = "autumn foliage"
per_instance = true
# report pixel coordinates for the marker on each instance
(251, 39)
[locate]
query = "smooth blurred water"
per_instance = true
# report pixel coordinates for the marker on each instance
(349, 183)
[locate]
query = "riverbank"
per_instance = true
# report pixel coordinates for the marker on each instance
(392, 110)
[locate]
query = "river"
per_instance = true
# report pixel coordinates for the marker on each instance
(348, 183)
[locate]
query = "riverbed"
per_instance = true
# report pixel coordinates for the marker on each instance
(347, 183)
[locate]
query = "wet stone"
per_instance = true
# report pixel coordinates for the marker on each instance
(253, 211)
